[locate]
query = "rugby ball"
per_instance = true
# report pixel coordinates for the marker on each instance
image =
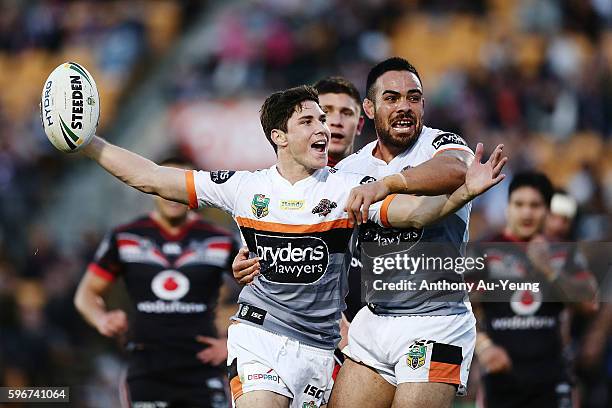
(70, 107)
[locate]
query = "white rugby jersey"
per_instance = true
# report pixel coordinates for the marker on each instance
(301, 234)
(446, 238)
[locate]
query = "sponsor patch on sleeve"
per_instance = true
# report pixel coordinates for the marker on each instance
(221, 176)
(446, 139)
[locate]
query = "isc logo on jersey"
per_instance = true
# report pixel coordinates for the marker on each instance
(170, 285)
(292, 260)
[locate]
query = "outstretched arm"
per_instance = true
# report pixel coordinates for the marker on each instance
(403, 211)
(439, 175)
(139, 172)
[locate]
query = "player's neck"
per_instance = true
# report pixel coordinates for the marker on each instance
(173, 225)
(514, 236)
(293, 171)
(386, 153)
(334, 158)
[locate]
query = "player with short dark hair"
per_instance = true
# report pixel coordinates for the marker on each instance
(278, 108)
(415, 159)
(390, 64)
(519, 343)
(173, 264)
(537, 181)
(341, 102)
(337, 85)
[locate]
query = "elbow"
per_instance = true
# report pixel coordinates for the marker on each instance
(145, 180)
(418, 224)
(78, 302)
(147, 189)
(409, 222)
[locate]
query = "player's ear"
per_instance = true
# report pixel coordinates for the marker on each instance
(368, 108)
(360, 125)
(279, 137)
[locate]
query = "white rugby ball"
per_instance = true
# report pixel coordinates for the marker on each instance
(70, 107)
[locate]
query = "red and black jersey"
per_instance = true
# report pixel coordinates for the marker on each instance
(173, 282)
(524, 321)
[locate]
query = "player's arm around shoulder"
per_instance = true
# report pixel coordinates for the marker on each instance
(443, 173)
(403, 211)
(139, 172)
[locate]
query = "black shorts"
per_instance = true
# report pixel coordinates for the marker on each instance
(511, 395)
(160, 392)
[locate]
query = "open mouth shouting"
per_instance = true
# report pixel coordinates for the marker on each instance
(403, 125)
(320, 146)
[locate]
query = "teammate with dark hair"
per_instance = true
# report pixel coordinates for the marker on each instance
(173, 264)
(423, 343)
(341, 102)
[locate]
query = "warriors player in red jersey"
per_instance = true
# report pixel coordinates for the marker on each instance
(173, 264)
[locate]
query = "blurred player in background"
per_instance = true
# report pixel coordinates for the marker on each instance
(173, 264)
(519, 343)
(560, 218)
(341, 102)
(378, 372)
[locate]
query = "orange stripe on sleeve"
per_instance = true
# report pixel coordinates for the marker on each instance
(384, 210)
(101, 272)
(296, 229)
(444, 373)
(191, 191)
(236, 387)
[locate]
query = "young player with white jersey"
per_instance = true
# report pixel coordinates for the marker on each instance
(291, 214)
(425, 342)
(341, 102)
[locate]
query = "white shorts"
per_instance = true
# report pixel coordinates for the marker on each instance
(261, 360)
(404, 349)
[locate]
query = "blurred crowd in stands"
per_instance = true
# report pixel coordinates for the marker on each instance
(535, 75)
(42, 338)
